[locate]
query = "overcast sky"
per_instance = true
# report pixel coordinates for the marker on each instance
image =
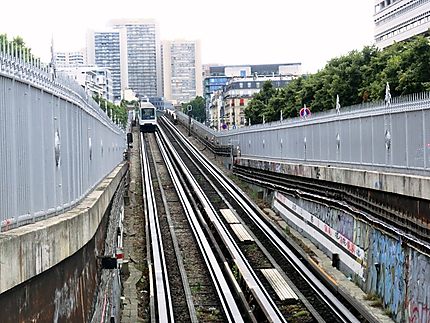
(231, 31)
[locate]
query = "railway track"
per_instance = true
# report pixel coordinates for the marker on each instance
(196, 285)
(352, 201)
(161, 305)
(259, 249)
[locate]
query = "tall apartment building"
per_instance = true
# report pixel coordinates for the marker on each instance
(143, 56)
(108, 48)
(69, 59)
(397, 20)
(182, 70)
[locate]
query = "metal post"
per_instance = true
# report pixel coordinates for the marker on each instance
(189, 124)
(189, 109)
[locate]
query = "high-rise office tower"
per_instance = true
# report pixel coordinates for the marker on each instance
(143, 55)
(397, 20)
(108, 48)
(182, 70)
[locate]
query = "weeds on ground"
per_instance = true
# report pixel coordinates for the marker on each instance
(375, 300)
(196, 288)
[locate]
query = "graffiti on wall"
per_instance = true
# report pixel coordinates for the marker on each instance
(362, 232)
(338, 220)
(418, 288)
(386, 274)
(311, 214)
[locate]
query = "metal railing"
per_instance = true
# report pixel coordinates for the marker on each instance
(392, 137)
(56, 143)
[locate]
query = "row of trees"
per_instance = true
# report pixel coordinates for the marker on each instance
(198, 108)
(358, 77)
(115, 112)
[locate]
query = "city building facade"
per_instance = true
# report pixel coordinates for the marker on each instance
(108, 49)
(228, 89)
(217, 76)
(143, 56)
(182, 70)
(227, 105)
(69, 59)
(95, 80)
(398, 20)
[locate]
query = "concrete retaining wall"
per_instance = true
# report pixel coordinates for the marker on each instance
(404, 184)
(381, 264)
(32, 249)
(64, 293)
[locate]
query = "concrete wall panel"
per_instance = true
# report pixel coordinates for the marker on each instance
(386, 272)
(29, 250)
(418, 293)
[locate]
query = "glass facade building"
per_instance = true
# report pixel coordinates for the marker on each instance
(218, 76)
(214, 83)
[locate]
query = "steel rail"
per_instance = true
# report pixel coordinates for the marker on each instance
(323, 292)
(227, 300)
(160, 299)
(178, 254)
(266, 303)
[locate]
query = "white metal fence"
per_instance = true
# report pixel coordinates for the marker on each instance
(56, 143)
(394, 136)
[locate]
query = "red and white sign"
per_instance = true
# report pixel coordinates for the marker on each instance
(119, 255)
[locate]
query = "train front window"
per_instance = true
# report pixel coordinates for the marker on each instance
(147, 113)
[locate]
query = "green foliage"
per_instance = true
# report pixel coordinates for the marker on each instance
(113, 111)
(199, 111)
(260, 104)
(18, 46)
(357, 77)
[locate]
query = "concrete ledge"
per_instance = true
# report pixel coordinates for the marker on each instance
(29, 250)
(404, 184)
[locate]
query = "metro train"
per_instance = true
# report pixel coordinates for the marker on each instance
(147, 117)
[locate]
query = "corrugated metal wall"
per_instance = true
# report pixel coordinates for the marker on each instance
(56, 144)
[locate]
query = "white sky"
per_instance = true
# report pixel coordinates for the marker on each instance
(231, 31)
